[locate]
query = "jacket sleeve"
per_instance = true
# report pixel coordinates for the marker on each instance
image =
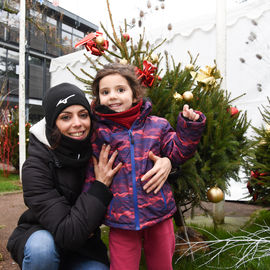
(71, 225)
(181, 145)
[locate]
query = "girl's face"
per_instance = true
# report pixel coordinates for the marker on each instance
(115, 93)
(74, 122)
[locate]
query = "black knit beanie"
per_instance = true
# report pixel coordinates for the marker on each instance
(60, 97)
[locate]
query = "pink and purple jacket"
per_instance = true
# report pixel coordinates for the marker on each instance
(131, 207)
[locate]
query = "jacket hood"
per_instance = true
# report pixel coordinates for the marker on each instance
(39, 131)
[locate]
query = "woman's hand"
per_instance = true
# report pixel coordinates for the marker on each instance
(103, 168)
(158, 174)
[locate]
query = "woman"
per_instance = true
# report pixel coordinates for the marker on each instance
(60, 230)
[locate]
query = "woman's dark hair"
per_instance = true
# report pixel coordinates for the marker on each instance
(55, 137)
(127, 71)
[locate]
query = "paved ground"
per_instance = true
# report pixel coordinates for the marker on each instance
(11, 207)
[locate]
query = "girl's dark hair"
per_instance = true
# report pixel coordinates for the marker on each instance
(127, 71)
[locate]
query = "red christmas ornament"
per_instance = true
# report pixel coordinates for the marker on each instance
(95, 43)
(146, 75)
(126, 37)
(233, 111)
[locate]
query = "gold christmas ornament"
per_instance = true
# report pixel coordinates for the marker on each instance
(123, 61)
(177, 96)
(100, 40)
(262, 142)
(189, 67)
(215, 195)
(169, 26)
(146, 58)
(154, 58)
(187, 95)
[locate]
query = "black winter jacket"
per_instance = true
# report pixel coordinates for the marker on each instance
(53, 195)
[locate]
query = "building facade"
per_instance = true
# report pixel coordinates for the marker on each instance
(51, 31)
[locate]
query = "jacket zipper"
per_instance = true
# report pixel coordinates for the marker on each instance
(133, 173)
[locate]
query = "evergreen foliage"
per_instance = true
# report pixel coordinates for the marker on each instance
(259, 160)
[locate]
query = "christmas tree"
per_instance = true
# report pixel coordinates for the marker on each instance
(259, 160)
(223, 145)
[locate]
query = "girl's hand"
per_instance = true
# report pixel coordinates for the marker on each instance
(189, 113)
(103, 168)
(158, 174)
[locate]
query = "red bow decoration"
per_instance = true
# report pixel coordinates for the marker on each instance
(255, 174)
(90, 44)
(145, 75)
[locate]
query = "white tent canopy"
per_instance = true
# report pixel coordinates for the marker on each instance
(193, 30)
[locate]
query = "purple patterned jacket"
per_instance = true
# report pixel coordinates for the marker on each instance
(132, 208)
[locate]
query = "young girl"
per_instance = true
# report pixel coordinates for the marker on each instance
(136, 217)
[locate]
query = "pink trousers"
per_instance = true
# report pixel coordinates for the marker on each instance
(158, 242)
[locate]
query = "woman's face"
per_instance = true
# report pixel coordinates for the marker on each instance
(74, 122)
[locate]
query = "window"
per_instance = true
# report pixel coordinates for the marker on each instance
(3, 69)
(3, 23)
(77, 36)
(51, 36)
(35, 77)
(66, 39)
(3, 56)
(13, 25)
(13, 72)
(69, 37)
(37, 39)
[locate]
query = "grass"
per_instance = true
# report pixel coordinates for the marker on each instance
(10, 183)
(227, 259)
(230, 257)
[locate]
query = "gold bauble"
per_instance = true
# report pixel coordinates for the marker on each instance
(189, 67)
(123, 61)
(215, 195)
(154, 58)
(187, 95)
(177, 96)
(100, 40)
